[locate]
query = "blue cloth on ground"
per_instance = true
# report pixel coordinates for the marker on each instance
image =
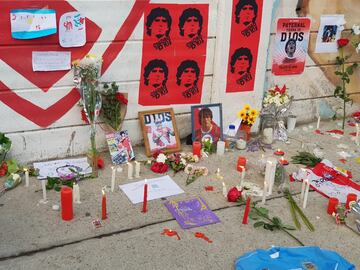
(293, 258)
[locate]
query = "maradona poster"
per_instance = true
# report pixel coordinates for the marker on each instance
(291, 45)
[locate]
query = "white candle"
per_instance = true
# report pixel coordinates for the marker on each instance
(26, 177)
(241, 144)
(76, 193)
(137, 169)
(113, 175)
(306, 193)
(264, 193)
(318, 122)
(302, 190)
(270, 173)
(357, 134)
(220, 149)
(130, 170)
(268, 135)
(224, 190)
(43, 187)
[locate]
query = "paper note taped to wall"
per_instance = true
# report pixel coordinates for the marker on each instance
(72, 31)
(32, 23)
(51, 61)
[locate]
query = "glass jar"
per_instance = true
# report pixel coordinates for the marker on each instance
(267, 128)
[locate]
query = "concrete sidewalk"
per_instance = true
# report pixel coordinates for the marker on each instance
(33, 236)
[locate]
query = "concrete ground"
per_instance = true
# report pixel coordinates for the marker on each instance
(33, 236)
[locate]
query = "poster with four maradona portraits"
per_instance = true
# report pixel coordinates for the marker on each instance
(174, 54)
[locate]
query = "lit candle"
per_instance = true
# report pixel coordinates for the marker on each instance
(357, 134)
(113, 174)
(224, 189)
(264, 193)
(103, 205)
(130, 170)
(220, 148)
(318, 122)
(137, 169)
(26, 177)
(218, 175)
(197, 149)
(241, 163)
(66, 203)
(145, 197)
(241, 144)
(43, 187)
(279, 152)
(306, 193)
(76, 193)
(283, 161)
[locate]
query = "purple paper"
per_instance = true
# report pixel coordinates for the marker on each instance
(191, 213)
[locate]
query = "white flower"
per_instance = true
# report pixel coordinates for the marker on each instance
(356, 29)
(189, 169)
(358, 48)
(161, 158)
(183, 161)
(16, 176)
(196, 158)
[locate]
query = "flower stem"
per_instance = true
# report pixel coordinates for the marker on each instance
(344, 87)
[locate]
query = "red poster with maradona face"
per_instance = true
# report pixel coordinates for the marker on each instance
(174, 54)
(291, 44)
(244, 44)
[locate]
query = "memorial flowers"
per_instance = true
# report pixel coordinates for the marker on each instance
(5, 145)
(343, 72)
(86, 77)
(248, 115)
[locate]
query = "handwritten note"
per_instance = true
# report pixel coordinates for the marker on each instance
(72, 31)
(51, 61)
(32, 23)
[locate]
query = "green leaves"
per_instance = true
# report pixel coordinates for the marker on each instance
(56, 183)
(305, 158)
(12, 166)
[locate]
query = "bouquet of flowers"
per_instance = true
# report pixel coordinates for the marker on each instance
(356, 40)
(276, 103)
(113, 106)
(86, 78)
(194, 172)
(248, 115)
(5, 144)
(176, 161)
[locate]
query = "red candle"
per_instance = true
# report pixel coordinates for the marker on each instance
(241, 163)
(247, 210)
(279, 152)
(103, 206)
(333, 202)
(283, 161)
(66, 204)
(145, 197)
(350, 197)
(197, 149)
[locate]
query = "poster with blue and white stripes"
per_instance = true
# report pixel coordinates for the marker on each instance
(32, 23)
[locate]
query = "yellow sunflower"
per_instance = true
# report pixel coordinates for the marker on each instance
(247, 107)
(253, 112)
(241, 114)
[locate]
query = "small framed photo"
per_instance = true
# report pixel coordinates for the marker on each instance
(206, 122)
(120, 147)
(159, 131)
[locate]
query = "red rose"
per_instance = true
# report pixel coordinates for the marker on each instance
(2, 172)
(342, 42)
(159, 167)
(100, 163)
(83, 116)
(233, 195)
(121, 98)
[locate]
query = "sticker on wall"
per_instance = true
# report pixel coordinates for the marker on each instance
(174, 54)
(291, 44)
(51, 61)
(72, 31)
(244, 45)
(329, 32)
(32, 23)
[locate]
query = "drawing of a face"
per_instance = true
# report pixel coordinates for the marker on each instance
(191, 27)
(247, 14)
(241, 64)
(188, 77)
(156, 77)
(159, 27)
(290, 48)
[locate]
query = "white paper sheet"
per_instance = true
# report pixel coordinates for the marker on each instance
(49, 168)
(72, 31)
(329, 32)
(51, 61)
(160, 187)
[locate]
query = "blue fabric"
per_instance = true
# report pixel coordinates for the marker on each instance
(297, 258)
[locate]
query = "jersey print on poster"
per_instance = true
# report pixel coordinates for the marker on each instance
(174, 53)
(244, 44)
(292, 39)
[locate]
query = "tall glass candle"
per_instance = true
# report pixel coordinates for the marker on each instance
(197, 148)
(145, 197)
(66, 204)
(103, 206)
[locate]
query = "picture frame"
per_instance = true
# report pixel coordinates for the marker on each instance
(159, 131)
(120, 147)
(210, 130)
